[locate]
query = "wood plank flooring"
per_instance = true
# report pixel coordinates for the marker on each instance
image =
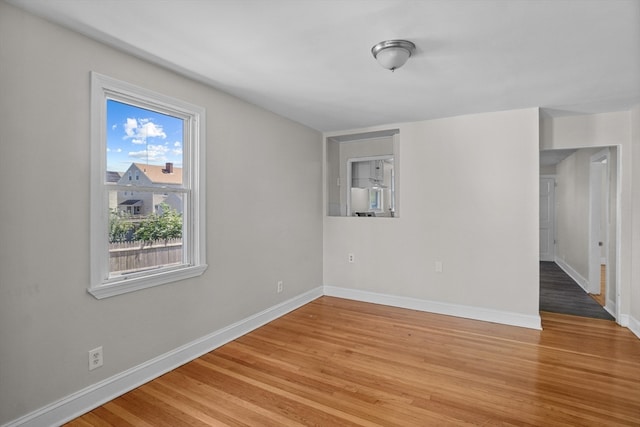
(337, 362)
(559, 293)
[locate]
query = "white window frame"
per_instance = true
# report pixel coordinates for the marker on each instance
(194, 236)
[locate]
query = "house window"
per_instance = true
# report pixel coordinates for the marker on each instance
(138, 132)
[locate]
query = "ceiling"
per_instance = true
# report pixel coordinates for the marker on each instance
(310, 60)
(553, 157)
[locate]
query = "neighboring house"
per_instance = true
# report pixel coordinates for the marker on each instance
(145, 202)
(113, 177)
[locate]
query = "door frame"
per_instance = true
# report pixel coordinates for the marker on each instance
(553, 214)
(598, 196)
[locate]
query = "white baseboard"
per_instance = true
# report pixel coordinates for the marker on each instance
(584, 283)
(468, 312)
(623, 320)
(634, 326)
(97, 394)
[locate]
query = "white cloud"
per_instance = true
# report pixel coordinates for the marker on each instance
(139, 130)
(177, 144)
(130, 127)
(151, 130)
(155, 153)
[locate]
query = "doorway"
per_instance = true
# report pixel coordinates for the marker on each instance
(582, 208)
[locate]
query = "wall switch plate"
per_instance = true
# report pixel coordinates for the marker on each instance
(95, 358)
(352, 258)
(280, 286)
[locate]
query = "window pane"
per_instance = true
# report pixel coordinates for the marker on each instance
(144, 149)
(140, 136)
(145, 232)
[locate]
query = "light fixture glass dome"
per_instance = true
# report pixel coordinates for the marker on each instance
(392, 54)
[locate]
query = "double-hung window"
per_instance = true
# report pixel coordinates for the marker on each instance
(149, 230)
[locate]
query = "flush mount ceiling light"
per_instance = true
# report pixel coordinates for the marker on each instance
(392, 54)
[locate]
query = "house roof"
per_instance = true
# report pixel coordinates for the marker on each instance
(131, 202)
(158, 174)
(113, 176)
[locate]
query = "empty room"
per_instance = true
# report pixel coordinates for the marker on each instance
(269, 212)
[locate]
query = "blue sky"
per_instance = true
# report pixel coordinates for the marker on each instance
(141, 136)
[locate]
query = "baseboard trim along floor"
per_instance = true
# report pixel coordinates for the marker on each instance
(467, 312)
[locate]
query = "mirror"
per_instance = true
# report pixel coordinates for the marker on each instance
(362, 175)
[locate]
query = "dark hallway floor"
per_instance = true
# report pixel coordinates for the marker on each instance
(559, 293)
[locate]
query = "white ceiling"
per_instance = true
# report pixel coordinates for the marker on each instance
(310, 60)
(553, 157)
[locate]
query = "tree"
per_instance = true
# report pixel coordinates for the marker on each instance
(163, 226)
(120, 226)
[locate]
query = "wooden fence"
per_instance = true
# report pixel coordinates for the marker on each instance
(137, 255)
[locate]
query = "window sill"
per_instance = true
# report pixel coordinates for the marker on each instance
(135, 284)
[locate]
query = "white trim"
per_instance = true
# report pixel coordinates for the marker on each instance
(97, 394)
(147, 281)
(468, 312)
(551, 256)
(597, 196)
(634, 326)
(624, 320)
(584, 283)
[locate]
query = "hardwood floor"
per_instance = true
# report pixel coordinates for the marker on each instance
(337, 362)
(559, 293)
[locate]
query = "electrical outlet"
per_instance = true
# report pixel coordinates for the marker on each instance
(352, 258)
(280, 286)
(95, 358)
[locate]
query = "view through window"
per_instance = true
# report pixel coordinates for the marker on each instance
(146, 205)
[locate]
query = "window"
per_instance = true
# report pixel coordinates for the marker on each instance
(158, 235)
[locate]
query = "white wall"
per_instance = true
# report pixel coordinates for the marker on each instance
(470, 200)
(572, 211)
(264, 219)
(601, 130)
(572, 216)
(548, 170)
